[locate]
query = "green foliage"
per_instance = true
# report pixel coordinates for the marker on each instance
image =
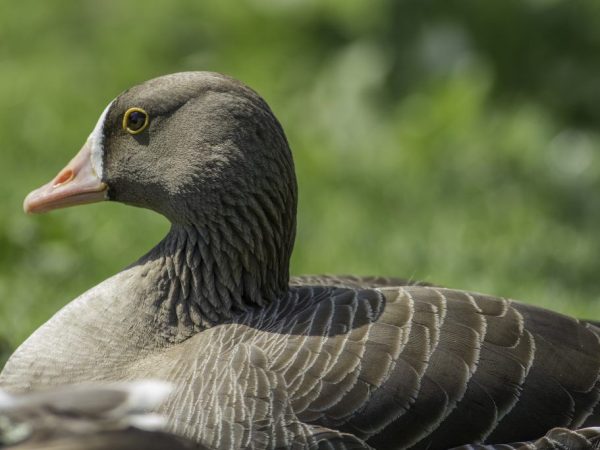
(454, 141)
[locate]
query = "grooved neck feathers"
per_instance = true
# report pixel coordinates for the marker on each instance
(216, 271)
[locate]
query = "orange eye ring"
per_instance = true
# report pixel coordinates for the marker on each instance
(135, 120)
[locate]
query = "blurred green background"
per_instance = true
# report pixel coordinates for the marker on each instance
(452, 141)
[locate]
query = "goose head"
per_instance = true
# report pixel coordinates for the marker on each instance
(206, 152)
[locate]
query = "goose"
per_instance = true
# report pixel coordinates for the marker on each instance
(109, 416)
(264, 361)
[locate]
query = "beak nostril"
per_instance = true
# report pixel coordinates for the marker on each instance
(64, 177)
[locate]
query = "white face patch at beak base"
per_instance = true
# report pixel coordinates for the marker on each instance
(96, 139)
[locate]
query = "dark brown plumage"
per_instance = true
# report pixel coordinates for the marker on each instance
(262, 361)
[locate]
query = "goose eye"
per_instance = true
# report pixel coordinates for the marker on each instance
(135, 120)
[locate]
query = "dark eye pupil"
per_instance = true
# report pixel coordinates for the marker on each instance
(136, 120)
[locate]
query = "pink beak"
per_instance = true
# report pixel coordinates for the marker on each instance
(76, 184)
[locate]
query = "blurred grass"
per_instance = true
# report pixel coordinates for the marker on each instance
(452, 141)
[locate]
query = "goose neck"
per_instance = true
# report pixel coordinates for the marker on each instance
(209, 274)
